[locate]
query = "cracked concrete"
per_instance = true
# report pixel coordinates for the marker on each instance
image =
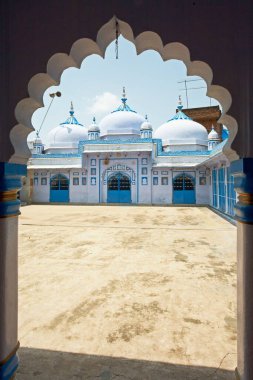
(110, 292)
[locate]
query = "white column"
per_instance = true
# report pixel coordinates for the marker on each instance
(10, 183)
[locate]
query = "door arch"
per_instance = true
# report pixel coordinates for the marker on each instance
(59, 188)
(184, 189)
(119, 188)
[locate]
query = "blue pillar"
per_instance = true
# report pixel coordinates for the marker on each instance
(10, 184)
(242, 170)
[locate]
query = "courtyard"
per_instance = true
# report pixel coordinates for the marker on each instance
(125, 292)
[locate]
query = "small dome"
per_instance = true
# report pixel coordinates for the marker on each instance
(36, 140)
(146, 125)
(68, 133)
(182, 130)
(94, 126)
(213, 135)
(122, 121)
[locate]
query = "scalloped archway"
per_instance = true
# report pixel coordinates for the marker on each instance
(84, 47)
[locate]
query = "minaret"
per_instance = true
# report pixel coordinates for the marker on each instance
(146, 129)
(93, 130)
(213, 139)
(37, 147)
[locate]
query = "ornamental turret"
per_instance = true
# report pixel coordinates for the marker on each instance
(37, 146)
(146, 129)
(213, 139)
(93, 130)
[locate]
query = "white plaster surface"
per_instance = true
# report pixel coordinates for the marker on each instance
(8, 285)
(126, 292)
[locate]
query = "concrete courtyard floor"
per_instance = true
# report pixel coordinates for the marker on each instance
(125, 292)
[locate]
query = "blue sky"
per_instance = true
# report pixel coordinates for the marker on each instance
(96, 88)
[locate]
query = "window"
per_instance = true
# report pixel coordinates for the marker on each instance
(165, 181)
(84, 181)
(144, 161)
(155, 172)
(75, 173)
(75, 181)
(164, 172)
(93, 181)
(93, 171)
(202, 180)
(36, 181)
(43, 181)
(144, 170)
(155, 180)
(144, 180)
(93, 162)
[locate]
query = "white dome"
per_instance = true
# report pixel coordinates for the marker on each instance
(122, 121)
(67, 134)
(213, 135)
(182, 130)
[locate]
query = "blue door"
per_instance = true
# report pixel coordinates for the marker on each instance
(184, 189)
(59, 188)
(119, 189)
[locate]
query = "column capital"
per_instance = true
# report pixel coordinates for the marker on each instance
(242, 171)
(10, 183)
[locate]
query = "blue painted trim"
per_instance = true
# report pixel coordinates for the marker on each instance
(242, 171)
(8, 369)
(10, 176)
(9, 208)
(11, 179)
(158, 142)
(56, 155)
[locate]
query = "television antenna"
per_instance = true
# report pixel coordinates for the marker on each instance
(186, 89)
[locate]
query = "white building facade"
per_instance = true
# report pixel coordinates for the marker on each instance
(121, 160)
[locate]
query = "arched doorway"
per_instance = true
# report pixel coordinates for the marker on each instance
(55, 72)
(59, 188)
(119, 189)
(184, 189)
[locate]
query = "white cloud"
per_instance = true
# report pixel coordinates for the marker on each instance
(103, 104)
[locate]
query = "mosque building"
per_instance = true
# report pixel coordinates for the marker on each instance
(122, 160)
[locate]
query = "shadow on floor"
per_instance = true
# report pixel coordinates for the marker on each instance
(41, 364)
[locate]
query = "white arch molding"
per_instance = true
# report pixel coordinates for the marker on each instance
(84, 47)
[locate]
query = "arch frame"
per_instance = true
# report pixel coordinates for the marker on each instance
(84, 47)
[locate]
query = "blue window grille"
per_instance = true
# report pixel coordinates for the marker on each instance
(231, 194)
(214, 187)
(222, 189)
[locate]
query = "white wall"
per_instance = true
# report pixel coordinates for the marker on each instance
(162, 194)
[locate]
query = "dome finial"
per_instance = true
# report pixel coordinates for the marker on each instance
(124, 99)
(94, 120)
(71, 109)
(180, 105)
(146, 117)
(124, 93)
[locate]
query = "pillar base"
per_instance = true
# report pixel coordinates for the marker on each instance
(237, 377)
(9, 365)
